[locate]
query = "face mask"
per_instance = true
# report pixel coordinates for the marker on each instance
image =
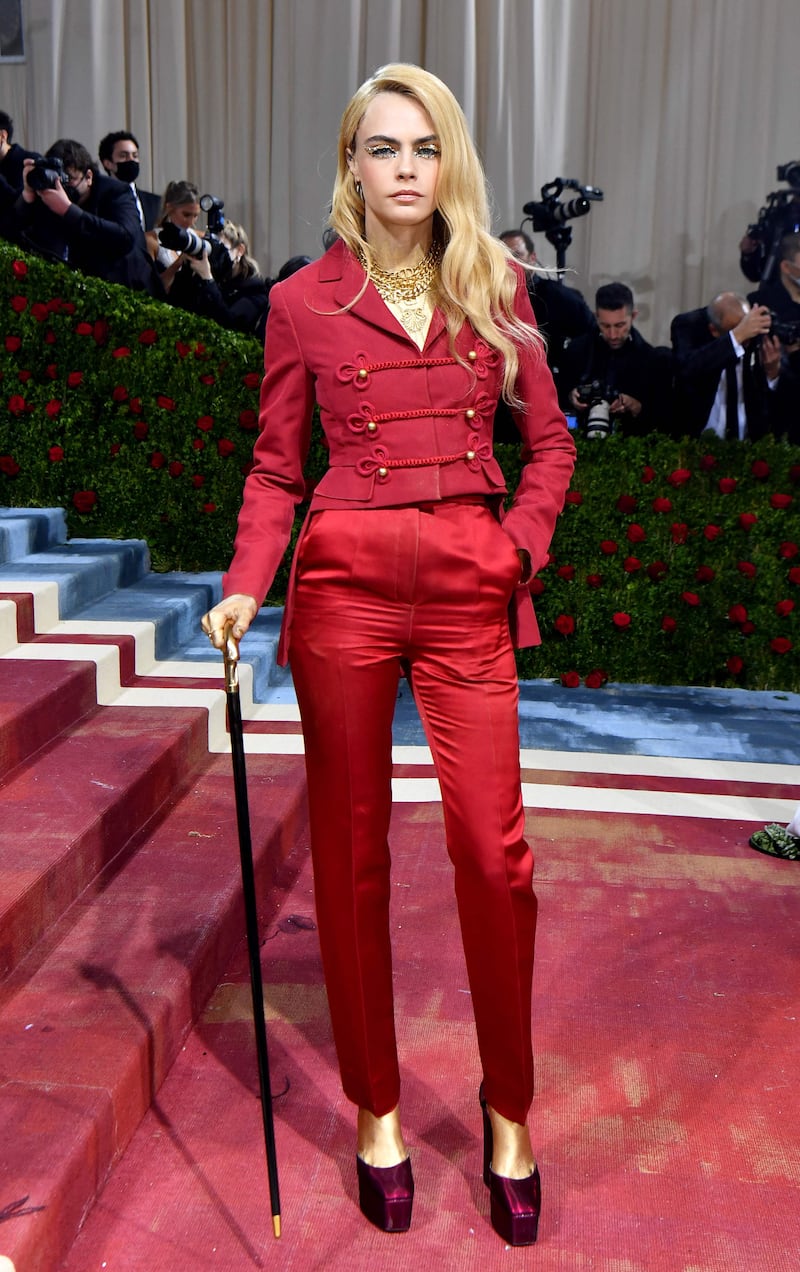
(127, 171)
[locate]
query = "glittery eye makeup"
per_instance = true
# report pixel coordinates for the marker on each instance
(388, 148)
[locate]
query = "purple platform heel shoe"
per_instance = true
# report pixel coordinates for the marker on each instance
(385, 1194)
(515, 1203)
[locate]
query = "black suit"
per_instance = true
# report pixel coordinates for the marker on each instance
(11, 185)
(636, 369)
(104, 237)
(700, 358)
(786, 411)
(151, 207)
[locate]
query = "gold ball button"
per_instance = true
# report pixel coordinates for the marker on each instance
(472, 355)
(372, 427)
(382, 472)
(362, 375)
(470, 414)
(470, 454)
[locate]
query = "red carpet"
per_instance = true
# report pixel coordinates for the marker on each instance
(665, 1119)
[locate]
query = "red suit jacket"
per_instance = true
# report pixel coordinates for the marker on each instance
(403, 425)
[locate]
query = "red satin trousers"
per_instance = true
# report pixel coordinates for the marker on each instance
(423, 589)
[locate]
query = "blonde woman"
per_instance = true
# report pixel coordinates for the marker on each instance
(406, 333)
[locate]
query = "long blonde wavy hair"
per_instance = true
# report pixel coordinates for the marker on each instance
(476, 281)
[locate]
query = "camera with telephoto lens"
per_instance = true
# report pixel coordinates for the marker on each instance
(45, 173)
(598, 397)
(180, 238)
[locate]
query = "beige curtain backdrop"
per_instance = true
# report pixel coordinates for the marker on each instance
(679, 110)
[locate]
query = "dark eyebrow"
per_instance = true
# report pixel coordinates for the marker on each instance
(392, 141)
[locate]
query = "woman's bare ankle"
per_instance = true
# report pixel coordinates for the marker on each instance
(380, 1139)
(512, 1152)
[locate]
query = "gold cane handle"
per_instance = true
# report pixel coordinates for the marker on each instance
(230, 654)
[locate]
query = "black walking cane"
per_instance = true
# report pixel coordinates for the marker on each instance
(230, 655)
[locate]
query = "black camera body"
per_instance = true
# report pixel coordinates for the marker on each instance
(549, 216)
(786, 329)
(45, 173)
(790, 173)
(598, 397)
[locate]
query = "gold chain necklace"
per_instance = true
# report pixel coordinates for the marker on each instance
(406, 284)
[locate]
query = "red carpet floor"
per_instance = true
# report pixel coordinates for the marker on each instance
(666, 1035)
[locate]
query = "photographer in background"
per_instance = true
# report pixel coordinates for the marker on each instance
(233, 293)
(12, 157)
(727, 368)
(759, 250)
(615, 364)
(119, 154)
(68, 211)
(782, 298)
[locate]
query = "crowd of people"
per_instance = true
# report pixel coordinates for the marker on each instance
(92, 214)
(733, 366)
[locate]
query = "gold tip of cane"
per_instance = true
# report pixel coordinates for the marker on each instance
(276, 1225)
(230, 655)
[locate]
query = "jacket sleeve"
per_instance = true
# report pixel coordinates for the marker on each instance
(548, 451)
(694, 360)
(275, 485)
(112, 234)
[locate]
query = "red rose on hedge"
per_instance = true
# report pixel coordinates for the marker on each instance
(783, 608)
(566, 572)
(248, 420)
(565, 624)
(594, 580)
(747, 520)
(198, 444)
(166, 403)
(788, 549)
(535, 587)
(737, 614)
(608, 547)
(8, 465)
(225, 447)
(148, 336)
(206, 423)
(570, 679)
(574, 497)
(39, 311)
(657, 570)
(19, 268)
(621, 619)
(636, 533)
(631, 564)
(690, 598)
(595, 679)
(626, 503)
(83, 329)
(648, 475)
(182, 349)
(747, 569)
(175, 468)
(760, 469)
(735, 664)
(140, 430)
(780, 501)
(668, 623)
(122, 352)
(17, 404)
(252, 379)
(119, 393)
(661, 504)
(19, 304)
(208, 378)
(74, 379)
(24, 377)
(157, 459)
(705, 574)
(707, 463)
(55, 454)
(679, 531)
(209, 507)
(84, 500)
(780, 644)
(13, 343)
(712, 532)
(53, 408)
(198, 480)
(679, 477)
(727, 485)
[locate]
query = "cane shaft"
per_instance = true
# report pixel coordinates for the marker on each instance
(253, 941)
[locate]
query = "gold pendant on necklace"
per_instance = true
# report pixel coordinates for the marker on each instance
(414, 319)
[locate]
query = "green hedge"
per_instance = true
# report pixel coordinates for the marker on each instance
(673, 563)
